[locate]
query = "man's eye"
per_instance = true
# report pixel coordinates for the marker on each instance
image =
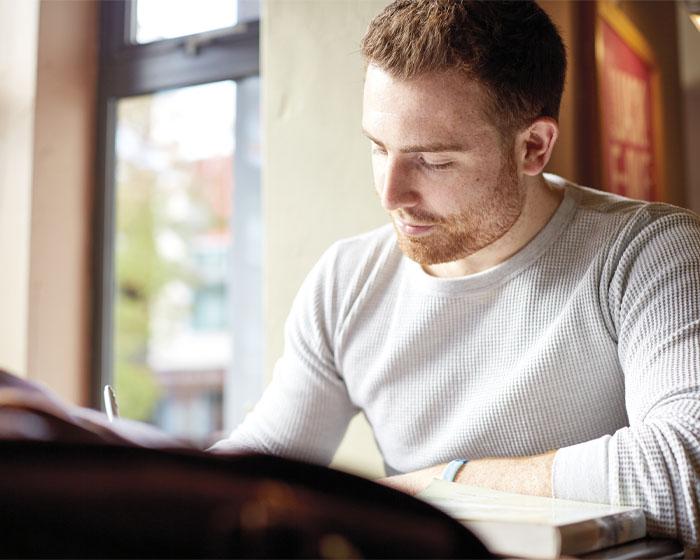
(378, 151)
(435, 166)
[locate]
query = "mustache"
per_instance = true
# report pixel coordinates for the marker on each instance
(417, 217)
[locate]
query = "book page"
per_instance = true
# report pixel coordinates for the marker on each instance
(481, 504)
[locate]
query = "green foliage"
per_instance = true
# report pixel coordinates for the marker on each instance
(139, 273)
(136, 390)
(142, 198)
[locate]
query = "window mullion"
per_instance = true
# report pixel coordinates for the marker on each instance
(141, 69)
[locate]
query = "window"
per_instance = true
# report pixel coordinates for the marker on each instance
(148, 23)
(178, 229)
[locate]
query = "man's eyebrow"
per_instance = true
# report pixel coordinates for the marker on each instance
(429, 147)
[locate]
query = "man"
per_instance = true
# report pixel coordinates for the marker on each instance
(548, 333)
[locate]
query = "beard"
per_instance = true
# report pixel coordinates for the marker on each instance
(460, 235)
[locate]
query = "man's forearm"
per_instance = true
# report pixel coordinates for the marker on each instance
(521, 475)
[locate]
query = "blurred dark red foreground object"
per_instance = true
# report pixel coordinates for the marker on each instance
(95, 500)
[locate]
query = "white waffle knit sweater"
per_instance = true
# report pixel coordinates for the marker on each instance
(586, 341)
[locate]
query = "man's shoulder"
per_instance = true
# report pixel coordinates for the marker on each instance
(623, 228)
(353, 260)
(593, 200)
(372, 246)
(354, 266)
(606, 205)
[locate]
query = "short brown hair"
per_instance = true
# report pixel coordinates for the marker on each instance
(512, 49)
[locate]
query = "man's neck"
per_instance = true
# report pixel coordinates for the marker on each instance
(541, 202)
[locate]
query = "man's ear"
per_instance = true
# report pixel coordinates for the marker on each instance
(535, 144)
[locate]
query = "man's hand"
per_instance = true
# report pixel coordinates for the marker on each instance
(520, 475)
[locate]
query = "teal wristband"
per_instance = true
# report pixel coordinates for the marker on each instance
(451, 469)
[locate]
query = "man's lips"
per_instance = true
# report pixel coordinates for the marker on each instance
(413, 230)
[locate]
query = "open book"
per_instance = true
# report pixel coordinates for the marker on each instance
(29, 411)
(535, 527)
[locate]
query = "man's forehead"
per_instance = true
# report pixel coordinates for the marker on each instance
(431, 110)
(438, 93)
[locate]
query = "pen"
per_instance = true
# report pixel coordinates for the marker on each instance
(110, 403)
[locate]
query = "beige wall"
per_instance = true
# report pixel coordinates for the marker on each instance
(317, 180)
(59, 274)
(19, 25)
(47, 94)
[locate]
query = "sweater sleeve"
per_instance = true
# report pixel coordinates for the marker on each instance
(652, 290)
(304, 412)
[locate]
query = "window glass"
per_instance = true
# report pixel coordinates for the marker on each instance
(165, 19)
(174, 251)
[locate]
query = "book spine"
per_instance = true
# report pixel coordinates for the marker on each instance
(603, 532)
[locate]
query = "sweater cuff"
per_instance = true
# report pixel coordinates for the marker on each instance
(580, 472)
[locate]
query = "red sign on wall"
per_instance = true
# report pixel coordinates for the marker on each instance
(628, 90)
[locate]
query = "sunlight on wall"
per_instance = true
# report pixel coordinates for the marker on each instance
(19, 27)
(317, 182)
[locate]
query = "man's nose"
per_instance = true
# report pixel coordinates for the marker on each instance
(398, 190)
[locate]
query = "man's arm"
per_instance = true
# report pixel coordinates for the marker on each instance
(305, 409)
(521, 475)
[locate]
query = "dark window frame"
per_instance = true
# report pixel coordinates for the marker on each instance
(128, 69)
